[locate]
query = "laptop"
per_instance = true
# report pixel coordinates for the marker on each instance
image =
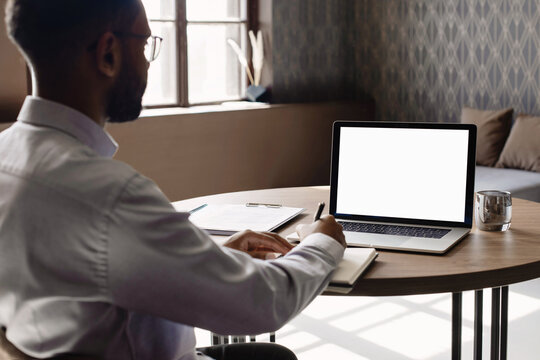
(403, 186)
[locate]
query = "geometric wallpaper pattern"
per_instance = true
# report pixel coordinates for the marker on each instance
(312, 56)
(421, 60)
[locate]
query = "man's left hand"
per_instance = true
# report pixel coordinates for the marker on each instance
(261, 245)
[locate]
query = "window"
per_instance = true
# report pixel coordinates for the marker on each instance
(196, 65)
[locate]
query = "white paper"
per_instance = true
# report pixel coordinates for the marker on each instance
(238, 217)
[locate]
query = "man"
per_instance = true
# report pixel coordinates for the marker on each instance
(94, 260)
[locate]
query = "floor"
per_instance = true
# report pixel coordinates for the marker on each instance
(403, 328)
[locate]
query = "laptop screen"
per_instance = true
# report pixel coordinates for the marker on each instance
(402, 172)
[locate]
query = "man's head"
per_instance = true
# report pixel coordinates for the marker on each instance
(90, 41)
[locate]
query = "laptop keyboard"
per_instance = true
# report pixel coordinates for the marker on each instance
(412, 231)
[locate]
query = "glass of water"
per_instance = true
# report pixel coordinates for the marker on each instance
(493, 210)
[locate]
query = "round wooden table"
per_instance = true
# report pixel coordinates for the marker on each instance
(481, 260)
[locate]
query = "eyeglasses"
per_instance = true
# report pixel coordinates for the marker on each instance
(152, 47)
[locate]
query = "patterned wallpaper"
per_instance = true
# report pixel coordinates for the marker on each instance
(312, 55)
(422, 60)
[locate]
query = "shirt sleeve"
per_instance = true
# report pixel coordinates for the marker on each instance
(161, 264)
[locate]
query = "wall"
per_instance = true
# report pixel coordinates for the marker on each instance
(423, 60)
(12, 75)
(199, 154)
(312, 56)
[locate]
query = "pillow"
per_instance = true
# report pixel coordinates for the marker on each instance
(493, 129)
(522, 149)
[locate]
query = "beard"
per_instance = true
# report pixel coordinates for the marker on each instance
(125, 97)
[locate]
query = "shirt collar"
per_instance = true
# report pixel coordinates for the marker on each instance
(42, 112)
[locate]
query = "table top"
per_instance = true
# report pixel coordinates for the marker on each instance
(481, 260)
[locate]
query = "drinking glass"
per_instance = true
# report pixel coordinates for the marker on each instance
(493, 210)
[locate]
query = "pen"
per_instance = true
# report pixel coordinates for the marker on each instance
(319, 212)
(198, 208)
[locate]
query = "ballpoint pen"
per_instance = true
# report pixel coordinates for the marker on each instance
(319, 212)
(198, 208)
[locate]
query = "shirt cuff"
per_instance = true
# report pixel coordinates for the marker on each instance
(324, 242)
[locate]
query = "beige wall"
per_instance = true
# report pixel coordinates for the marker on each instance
(200, 154)
(12, 75)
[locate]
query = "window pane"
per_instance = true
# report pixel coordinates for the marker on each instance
(214, 73)
(197, 10)
(159, 9)
(162, 75)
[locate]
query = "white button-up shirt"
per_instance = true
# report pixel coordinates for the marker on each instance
(95, 260)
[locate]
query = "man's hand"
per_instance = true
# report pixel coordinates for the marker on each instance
(326, 225)
(261, 245)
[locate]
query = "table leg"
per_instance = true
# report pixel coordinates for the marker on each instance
(495, 322)
(238, 339)
(478, 325)
(215, 339)
(504, 321)
(457, 300)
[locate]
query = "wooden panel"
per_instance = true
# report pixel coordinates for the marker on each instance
(4, 126)
(197, 154)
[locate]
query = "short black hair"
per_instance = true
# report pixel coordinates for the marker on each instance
(48, 30)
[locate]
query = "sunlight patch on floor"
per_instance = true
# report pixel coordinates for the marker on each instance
(329, 351)
(402, 328)
(368, 316)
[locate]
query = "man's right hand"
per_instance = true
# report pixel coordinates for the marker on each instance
(325, 225)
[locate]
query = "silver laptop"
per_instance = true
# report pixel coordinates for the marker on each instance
(403, 186)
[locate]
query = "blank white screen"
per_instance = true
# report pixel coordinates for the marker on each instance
(403, 173)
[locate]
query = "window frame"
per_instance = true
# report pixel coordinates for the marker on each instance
(181, 23)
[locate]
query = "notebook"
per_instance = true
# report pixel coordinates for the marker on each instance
(403, 186)
(355, 261)
(227, 219)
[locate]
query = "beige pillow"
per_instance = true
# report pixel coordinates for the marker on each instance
(522, 149)
(493, 129)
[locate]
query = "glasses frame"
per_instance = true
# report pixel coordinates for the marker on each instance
(154, 42)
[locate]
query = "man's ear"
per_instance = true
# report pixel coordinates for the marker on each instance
(108, 54)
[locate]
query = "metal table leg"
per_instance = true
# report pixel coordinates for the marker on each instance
(238, 339)
(217, 339)
(504, 322)
(457, 300)
(478, 325)
(495, 322)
